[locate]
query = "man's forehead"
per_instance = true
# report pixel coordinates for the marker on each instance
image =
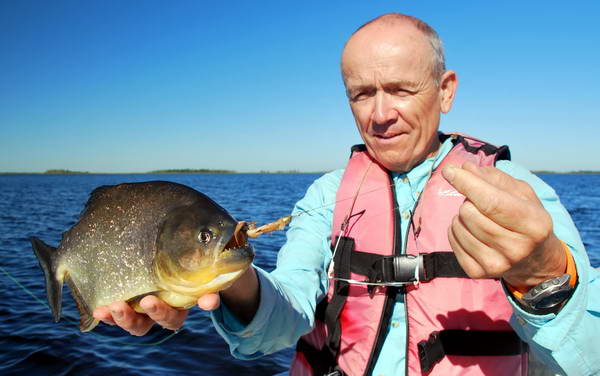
(385, 65)
(358, 82)
(379, 48)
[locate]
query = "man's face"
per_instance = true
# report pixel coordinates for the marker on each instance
(393, 96)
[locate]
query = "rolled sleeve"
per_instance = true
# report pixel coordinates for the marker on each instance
(245, 341)
(289, 294)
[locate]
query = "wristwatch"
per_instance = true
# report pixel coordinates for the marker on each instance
(548, 296)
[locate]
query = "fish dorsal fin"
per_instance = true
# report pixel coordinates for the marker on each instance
(87, 321)
(94, 198)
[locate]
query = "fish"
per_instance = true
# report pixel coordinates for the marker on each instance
(137, 239)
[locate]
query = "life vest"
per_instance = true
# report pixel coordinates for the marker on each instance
(455, 325)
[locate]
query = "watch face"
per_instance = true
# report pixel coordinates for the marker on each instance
(553, 300)
(548, 296)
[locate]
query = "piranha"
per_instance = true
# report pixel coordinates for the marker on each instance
(137, 239)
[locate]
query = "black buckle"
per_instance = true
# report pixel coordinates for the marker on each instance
(430, 351)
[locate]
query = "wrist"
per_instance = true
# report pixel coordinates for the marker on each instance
(243, 296)
(550, 295)
(547, 262)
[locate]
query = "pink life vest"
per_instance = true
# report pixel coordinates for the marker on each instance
(455, 325)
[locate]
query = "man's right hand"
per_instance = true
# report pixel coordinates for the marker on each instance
(242, 298)
(121, 314)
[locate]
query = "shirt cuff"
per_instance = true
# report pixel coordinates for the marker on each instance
(230, 328)
(549, 330)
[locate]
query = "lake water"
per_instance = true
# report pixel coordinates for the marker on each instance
(46, 205)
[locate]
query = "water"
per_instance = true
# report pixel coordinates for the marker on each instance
(46, 205)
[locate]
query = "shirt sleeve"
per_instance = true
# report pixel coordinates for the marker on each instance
(290, 293)
(567, 342)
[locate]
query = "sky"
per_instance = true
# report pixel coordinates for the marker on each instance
(134, 86)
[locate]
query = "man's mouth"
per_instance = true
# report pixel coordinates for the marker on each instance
(388, 136)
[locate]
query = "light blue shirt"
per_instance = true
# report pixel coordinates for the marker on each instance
(288, 295)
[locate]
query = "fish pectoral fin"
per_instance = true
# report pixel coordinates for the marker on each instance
(87, 321)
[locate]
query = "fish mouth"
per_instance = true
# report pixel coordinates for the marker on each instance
(237, 252)
(239, 238)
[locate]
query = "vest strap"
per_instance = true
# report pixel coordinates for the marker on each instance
(342, 264)
(404, 268)
(321, 360)
(468, 343)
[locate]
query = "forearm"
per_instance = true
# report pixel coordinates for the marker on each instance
(283, 315)
(243, 297)
(281, 308)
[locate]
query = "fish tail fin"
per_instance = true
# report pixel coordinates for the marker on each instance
(87, 321)
(46, 256)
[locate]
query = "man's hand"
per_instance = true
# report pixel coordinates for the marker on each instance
(121, 314)
(502, 229)
(242, 298)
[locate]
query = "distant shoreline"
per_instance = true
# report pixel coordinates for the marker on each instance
(580, 172)
(209, 171)
(161, 172)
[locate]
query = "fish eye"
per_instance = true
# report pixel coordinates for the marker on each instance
(205, 236)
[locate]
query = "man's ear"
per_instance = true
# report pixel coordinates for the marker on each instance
(448, 86)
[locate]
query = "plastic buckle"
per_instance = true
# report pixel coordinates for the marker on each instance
(408, 268)
(430, 351)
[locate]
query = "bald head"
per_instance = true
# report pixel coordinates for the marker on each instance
(387, 25)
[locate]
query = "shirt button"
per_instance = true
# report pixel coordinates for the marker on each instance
(406, 214)
(405, 180)
(395, 324)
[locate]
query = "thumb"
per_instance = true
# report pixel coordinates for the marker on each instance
(209, 302)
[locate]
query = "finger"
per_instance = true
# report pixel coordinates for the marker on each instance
(131, 321)
(165, 315)
(501, 207)
(103, 314)
(469, 265)
(493, 262)
(501, 180)
(209, 302)
(490, 233)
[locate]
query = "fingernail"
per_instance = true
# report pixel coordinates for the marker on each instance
(117, 314)
(449, 172)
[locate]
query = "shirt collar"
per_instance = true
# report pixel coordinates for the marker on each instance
(420, 172)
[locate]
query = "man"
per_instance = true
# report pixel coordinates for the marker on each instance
(449, 313)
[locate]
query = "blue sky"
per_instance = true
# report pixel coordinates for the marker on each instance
(136, 86)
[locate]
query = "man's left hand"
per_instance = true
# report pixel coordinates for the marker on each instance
(502, 229)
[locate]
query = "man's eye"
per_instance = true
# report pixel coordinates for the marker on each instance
(400, 91)
(359, 96)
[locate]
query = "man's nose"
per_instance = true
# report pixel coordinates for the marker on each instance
(384, 112)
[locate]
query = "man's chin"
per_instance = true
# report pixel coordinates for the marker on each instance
(392, 160)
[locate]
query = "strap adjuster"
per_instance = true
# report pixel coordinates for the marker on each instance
(430, 351)
(468, 343)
